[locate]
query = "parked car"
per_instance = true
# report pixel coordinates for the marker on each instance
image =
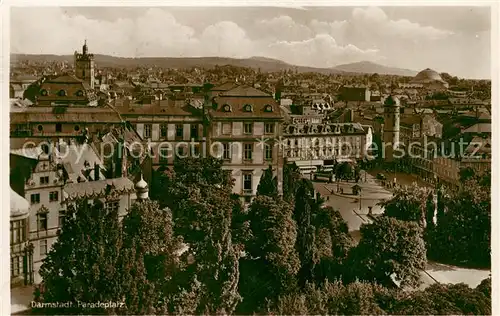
(381, 176)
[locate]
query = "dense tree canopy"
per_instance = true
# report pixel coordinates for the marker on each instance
(82, 263)
(389, 248)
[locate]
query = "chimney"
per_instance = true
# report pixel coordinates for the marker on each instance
(97, 171)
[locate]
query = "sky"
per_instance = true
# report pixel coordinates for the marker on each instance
(447, 39)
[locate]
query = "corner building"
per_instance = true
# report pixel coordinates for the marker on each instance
(244, 128)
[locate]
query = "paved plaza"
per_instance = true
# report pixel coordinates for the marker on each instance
(354, 210)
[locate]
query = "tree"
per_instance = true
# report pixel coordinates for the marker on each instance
(334, 299)
(467, 174)
(83, 260)
(148, 259)
(407, 204)
(271, 262)
(202, 203)
(430, 210)
(304, 202)
(463, 233)
(267, 184)
(389, 248)
(291, 177)
(332, 244)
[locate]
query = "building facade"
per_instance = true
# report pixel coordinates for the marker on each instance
(313, 145)
(21, 251)
(50, 181)
(244, 126)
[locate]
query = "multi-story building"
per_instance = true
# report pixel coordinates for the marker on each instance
(65, 108)
(21, 253)
(244, 125)
(172, 128)
(51, 179)
(310, 145)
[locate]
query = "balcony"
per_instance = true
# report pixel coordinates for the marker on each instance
(247, 192)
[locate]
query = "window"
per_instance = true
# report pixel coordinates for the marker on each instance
(44, 180)
(269, 128)
(196, 150)
(77, 128)
(163, 155)
(43, 247)
(247, 181)
(112, 206)
(40, 128)
(58, 127)
(163, 130)
(181, 151)
(247, 108)
(35, 198)
(268, 108)
(17, 231)
(248, 151)
(226, 151)
(194, 131)
(226, 128)
(248, 128)
(147, 130)
(62, 217)
(54, 196)
(62, 93)
(268, 151)
(42, 221)
(16, 265)
(179, 131)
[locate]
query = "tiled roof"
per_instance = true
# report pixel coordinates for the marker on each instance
(41, 114)
(75, 90)
(478, 128)
(225, 86)
(244, 91)
(237, 105)
(157, 107)
(83, 189)
(76, 157)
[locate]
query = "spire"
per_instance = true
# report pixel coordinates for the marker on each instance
(84, 49)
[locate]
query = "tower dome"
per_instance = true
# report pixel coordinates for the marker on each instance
(141, 187)
(427, 75)
(19, 206)
(392, 101)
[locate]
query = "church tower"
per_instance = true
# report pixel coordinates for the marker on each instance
(84, 66)
(391, 127)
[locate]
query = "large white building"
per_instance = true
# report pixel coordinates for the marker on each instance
(51, 179)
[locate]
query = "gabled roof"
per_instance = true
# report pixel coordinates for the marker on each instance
(245, 91)
(225, 86)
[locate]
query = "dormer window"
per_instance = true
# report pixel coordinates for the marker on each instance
(62, 93)
(227, 108)
(247, 108)
(44, 92)
(268, 108)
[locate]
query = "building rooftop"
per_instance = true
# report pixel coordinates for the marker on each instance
(90, 189)
(19, 206)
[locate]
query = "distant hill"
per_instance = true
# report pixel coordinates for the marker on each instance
(371, 68)
(265, 64)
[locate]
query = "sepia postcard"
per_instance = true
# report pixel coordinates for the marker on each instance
(274, 159)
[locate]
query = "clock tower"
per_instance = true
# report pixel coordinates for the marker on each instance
(84, 66)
